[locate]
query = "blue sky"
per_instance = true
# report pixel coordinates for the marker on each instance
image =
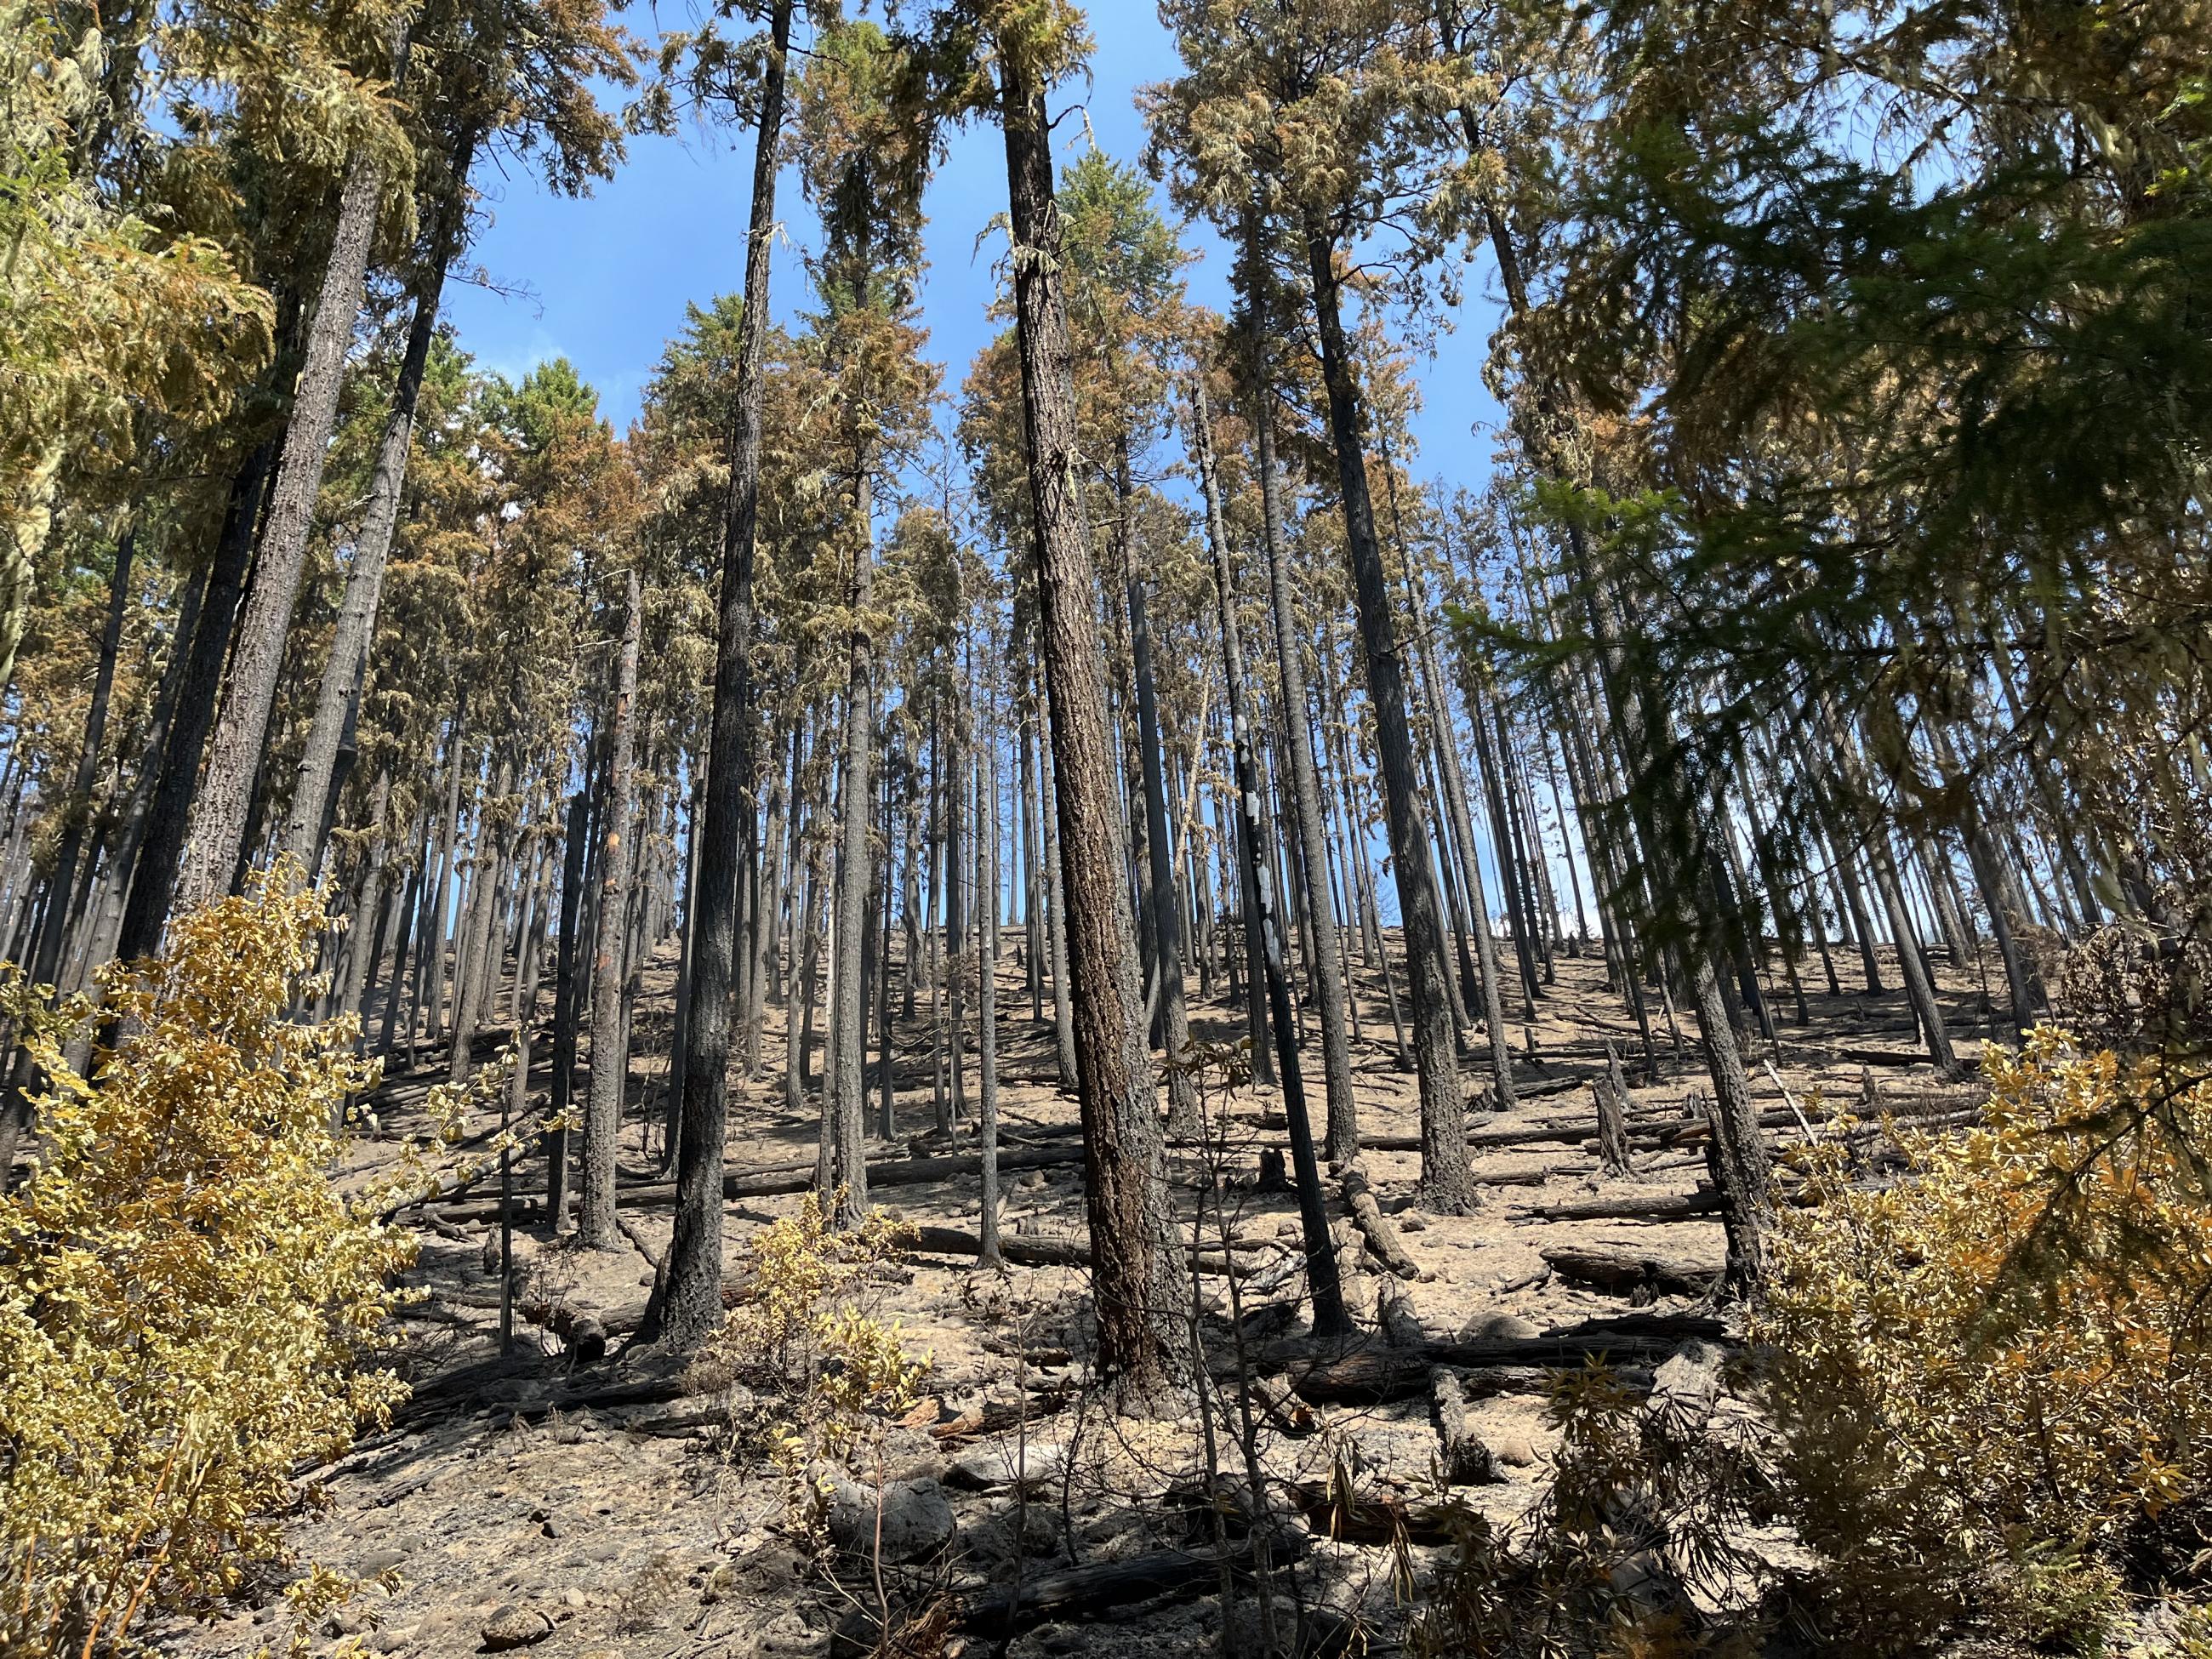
(605, 279)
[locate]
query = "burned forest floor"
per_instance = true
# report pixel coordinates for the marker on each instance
(586, 1502)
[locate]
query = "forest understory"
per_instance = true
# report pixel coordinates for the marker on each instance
(587, 1502)
(1107, 894)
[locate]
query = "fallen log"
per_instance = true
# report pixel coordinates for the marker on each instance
(1534, 1090)
(1373, 1377)
(1644, 1133)
(653, 1391)
(1568, 1134)
(1029, 1251)
(1668, 1207)
(998, 1417)
(902, 1172)
(1462, 1460)
(1024, 1251)
(1883, 1056)
(905, 1172)
(1112, 1584)
(1382, 1237)
(1631, 1269)
(686, 1423)
(1379, 1375)
(583, 1333)
(466, 1386)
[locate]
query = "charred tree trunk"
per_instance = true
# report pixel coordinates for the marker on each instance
(1159, 851)
(215, 833)
(686, 1305)
(1327, 966)
(848, 1085)
(563, 1091)
(344, 674)
(1444, 1179)
(153, 874)
(987, 985)
(1134, 1284)
(595, 1226)
(1329, 1318)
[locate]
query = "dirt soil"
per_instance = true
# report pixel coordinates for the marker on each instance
(508, 1508)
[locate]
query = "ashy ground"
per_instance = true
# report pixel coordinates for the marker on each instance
(609, 1508)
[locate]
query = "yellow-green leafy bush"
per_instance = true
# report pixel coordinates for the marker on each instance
(1972, 1422)
(808, 1341)
(186, 1304)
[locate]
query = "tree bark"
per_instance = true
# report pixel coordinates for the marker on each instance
(15, 1100)
(216, 832)
(344, 674)
(686, 1306)
(1445, 1184)
(1329, 1318)
(1159, 851)
(562, 1094)
(365, 940)
(672, 1106)
(595, 1226)
(1488, 972)
(473, 990)
(1134, 1286)
(848, 1069)
(1327, 967)
(986, 984)
(54, 925)
(431, 971)
(153, 877)
(1056, 928)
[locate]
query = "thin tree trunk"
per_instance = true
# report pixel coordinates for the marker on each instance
(1446, 1183)
(847, 1064)
(562, 1096)
(1135, 1288)
(956, 916)
(1329, 1319)
(1159, 850)
(47, 955)
(410, 904)
(15, 1113)
(887, 1115)
(1055, 925)
(686, 1305)
(1327, 967)
(595, 1228)
(430, 978)
(673, 1124)
(1490, 974)
(1025, 787)
(364, 939)
(987, 985)
(471, 993)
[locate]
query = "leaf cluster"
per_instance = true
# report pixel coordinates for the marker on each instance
(189, 1310)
